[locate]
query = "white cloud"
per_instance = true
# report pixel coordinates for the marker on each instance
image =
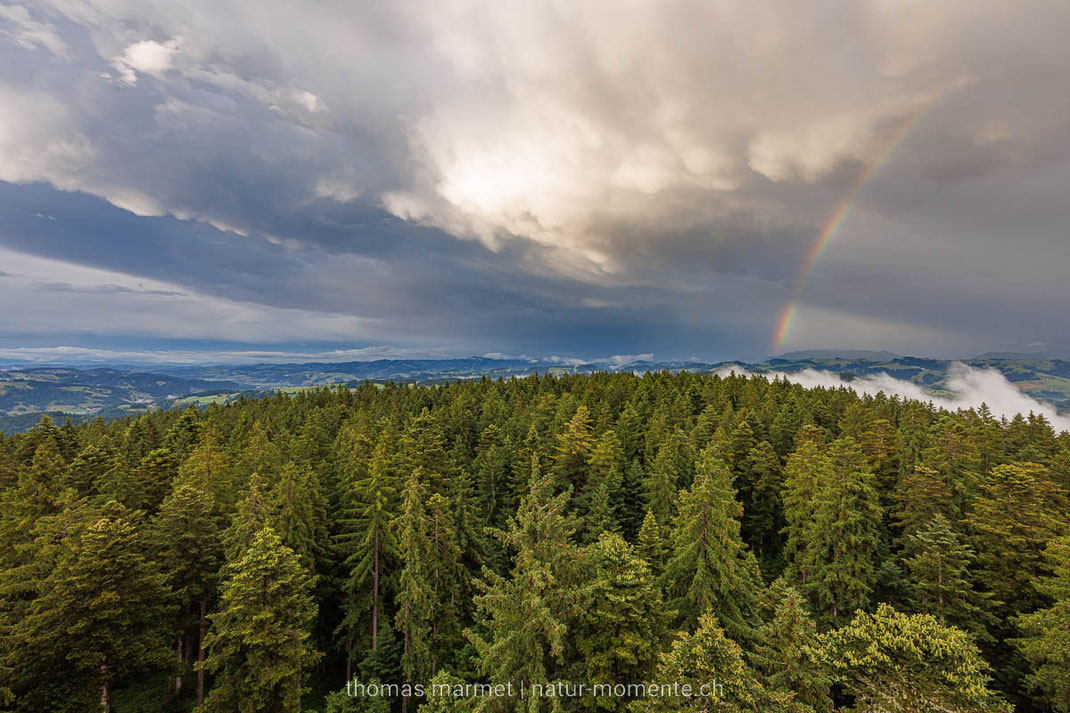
(32, 33)
(965, 388)
(147, 57)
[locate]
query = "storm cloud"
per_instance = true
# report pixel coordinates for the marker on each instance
(538, 177)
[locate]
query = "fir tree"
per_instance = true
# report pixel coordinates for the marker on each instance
(651, 544)
(843, 536)
(526, 615)
(620, 627)
(573, 451)
(368, 541)
(186, 538)
(711, 570)
(258, 644)
(1045, 641)
(940, 578)
(784, 655)
(101, 619)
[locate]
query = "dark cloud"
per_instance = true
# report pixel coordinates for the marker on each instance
(538, 178)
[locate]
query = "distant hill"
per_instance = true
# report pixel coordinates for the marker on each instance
(838, 354)
(26, 393)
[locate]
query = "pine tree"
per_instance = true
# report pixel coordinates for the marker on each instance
(258, 644)
(101, 619)
(710, 569)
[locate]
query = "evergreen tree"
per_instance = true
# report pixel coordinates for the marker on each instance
(629, 507)
(710, 659)
(573, 452)
(100, 620)
(784, 654)
(895, 662)
(526, 615)
(805, 469)
(368, 541)
(258, 644)
(623, 621)
(186, 539)
(711, 570)
(651, 544)
(416, 597)
(843, 536)
(1013, 520)
(1046, 633)
(299, 514)
(940, 578)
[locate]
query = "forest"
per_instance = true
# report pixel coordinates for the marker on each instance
(808, 550)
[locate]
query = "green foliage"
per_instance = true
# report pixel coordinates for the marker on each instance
(258, 645)
(837, 569)
(621, 625)
(526, 615)
(891, 661)
(99, 620)
(1046, 632)
(711, 570)
(493, 509)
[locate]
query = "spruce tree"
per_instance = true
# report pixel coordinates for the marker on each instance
(843, 536)
(623, 621)
(186, 538)
(651, 544)
(784, 655)
(711, 570)
(805, 469)
(526, 616)
(1045, 640)
(367, 540)
(258, 646)
(100, 620)
(573, 451)
(940, 579)
(416, 597)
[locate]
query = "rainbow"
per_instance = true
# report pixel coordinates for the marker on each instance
(835, 221)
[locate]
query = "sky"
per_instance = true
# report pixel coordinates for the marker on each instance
(709, 180)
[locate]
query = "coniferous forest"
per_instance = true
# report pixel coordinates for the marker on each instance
(808, 550)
